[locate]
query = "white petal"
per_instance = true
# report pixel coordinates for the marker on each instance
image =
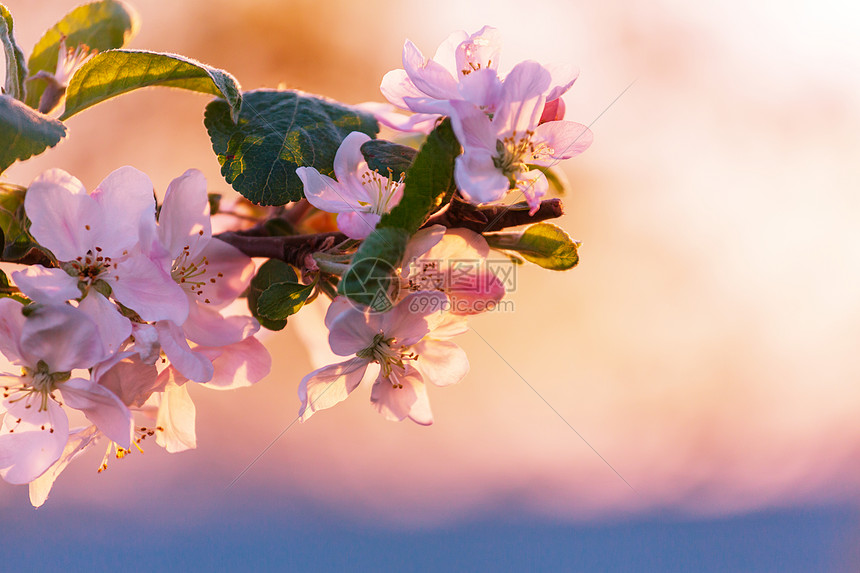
(352, 331)
(177, 416)
(441, 362)
(563, 77)
(349, 160)
(325, 193)
(79, 442)
(238, 365)
(422, 242)
(329, 385)
(11, 326)
(479, 179)
(357, 225)
(561, 140)
(210, 328)
(407, 320)
(429, 76)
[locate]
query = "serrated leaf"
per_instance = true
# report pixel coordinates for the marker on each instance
(543, 244)
(281, 300)
(372, 279)
(116, 72)
(277, 132)
(101, 26)
(271, 272)
(16, 68)
(429, 182)
(25, 132)
(390, 159)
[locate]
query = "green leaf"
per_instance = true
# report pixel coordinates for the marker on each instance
(17, 244)
(282, 300)
(372, 279)
(116, 72)
(277, 132)
(16, 68)
(543, 244)
(270, 273)
(100, 26)
(25, 132)
(429, 182)
(385, 157)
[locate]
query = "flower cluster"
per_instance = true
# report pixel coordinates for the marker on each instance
(509, 125)
(134, 309)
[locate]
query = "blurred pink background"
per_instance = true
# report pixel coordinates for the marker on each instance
(707, 344)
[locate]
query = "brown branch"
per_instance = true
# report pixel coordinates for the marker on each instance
(495, 218)
(293, 249)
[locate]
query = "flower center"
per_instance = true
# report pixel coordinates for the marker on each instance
(191, 274)
(38, 381)
(140, 434)
(381, 190)
(90, 267)
(388, 354)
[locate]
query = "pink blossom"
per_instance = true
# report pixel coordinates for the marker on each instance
(392, 341)
(499, 152)
(48, 344)
(359, 196)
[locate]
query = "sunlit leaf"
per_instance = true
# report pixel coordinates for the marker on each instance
(25, 132)
(16, 68)
(101, 26)
(277, 132)
(543, 244)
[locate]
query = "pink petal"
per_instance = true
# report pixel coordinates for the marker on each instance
(325, 193)
(101, 407)
(225, 274)
(533, 185)
(184, 218)
(522, 98)
(29, 447)
(329, 385)
(177, 416)
(357, 225)
(482, 88)
(126, 375)
(210, 328)
(407, 320)
(349, 159)
(409, 400)
(63, 336)
(479, 179)
(64, 218)
(192, 364)
(79, 442)
(428, 76)
(143, 286)
(563, 77)
(352, 331)
(46, 286)
(125, 196)
(441, 362)
(396, 85)
(114, 328)
(446, 52)
(145, 342)
(337, 307)
(447, 325)
(422, 242)
(387, 115)
(474, 130)
(479, 51)
(238, 365)
(11, 325)
(561, 140)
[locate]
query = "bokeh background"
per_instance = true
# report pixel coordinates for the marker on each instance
(706, 346)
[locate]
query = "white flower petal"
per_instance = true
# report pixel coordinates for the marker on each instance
(407, 400)
(101, 407)
(330, 385)
(441, 362)
(177, 416)
(46, 286)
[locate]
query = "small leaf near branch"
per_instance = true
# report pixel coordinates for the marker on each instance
(116, 72)
(372, 279)
(270, 273)
(277, 132)
(100, 26)
(282, 300)
(25, 132)
(544, 244)
(16, 68)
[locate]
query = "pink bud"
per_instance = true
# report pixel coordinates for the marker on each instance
(552, 111)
